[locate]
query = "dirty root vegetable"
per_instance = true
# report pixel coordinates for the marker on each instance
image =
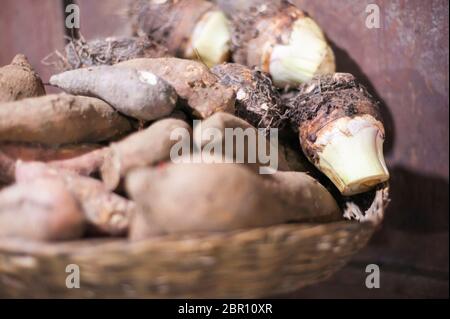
(137, 93)
(188, 28)
(185, 198)
(147, 147)
(61, 119)
(341, 132)
(81, 53)
(193, 82)
(245, 150)
(19, 81)
(281, 40)
(257, 101)
(42, 153)
(42, 210)
(106, 213)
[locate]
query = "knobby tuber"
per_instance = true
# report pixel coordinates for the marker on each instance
(18, 81)
(81, 53)
(106, 213)
(223, 197)
(193, 81)
(41, 210)
(61, 119)
(341, 131)
(137, 93)
(187, 28)
(281, 40)
(257, 101)
(245, 150)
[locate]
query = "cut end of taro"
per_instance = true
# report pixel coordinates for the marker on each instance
(211, 39)
(350, 153)
(305, 55)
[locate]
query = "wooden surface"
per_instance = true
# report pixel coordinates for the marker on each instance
(404, 63)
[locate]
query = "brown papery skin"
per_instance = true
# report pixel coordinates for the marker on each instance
(172, 22)
(40, 210)
(193, 82)
(18, 81)
(189, 198)
(61, 119)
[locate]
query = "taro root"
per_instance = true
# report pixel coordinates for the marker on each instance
(257, 101)
(341, 131)
(136, 93)
(18, 81)
(188, 28)
(281, 40)
(109, 51)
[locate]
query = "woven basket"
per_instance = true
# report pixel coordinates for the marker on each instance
(243, 264)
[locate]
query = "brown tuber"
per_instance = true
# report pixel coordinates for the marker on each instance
(41, 210)
(186, 198)
(341, 131)
(61, 119)
(18, 81)
(136, 93)
(193, 82)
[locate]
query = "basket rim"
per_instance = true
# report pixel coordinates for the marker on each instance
(96, 246)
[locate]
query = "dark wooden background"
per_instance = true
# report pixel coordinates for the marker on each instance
(404, 63)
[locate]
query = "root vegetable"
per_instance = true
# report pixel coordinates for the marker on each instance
(341, 132)
(18, 81)
(42, 153)
(61, 119)
(144, 148)
(186, 198)
(139, 94)
(244, 150)
(193, 82)
(81, 53)
(257, 101)
(106, 213)
(187, 28)
(42, 210)
(281, 40)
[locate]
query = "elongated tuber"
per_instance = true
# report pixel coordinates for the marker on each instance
(257, 101)
(106, 213)
(187, 28)
(185, 198)
(341, 132)
(281, 40)
(42, 210)
(137, 93)
(61, 119)
(193, 82)
(18, 81)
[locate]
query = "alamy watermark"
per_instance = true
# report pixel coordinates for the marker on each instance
(373, 18)
(228, 145)
(373, 279)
